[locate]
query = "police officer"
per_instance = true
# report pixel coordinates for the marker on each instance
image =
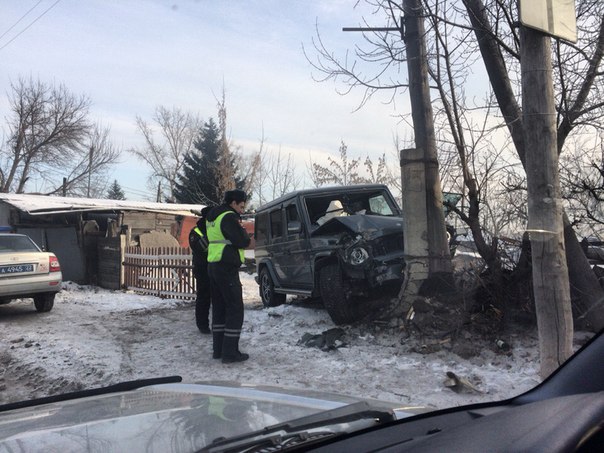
(199, 245)
(227, 239)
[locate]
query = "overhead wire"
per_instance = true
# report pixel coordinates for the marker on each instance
(20, 19)
(30, 24)
(139, 192)
(136, 192)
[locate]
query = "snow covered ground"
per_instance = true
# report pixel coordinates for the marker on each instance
(95, 337)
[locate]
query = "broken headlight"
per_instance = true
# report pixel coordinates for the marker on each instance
(357, 255)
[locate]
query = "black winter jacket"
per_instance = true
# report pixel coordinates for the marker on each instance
(200, 255)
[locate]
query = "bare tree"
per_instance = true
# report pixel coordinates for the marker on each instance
(342, 171)
(51, 144)
(501, 51)
(88, 175)
(312, 174)
(47, 128)
(277, 175)
(177, 131)
(227, 164)
(345, 171)
(578, 90)
(377, 173)
(249, 170)
(234, 169)
(582, 173)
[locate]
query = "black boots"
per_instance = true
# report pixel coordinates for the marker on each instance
(238, 357)
(202, 314)
(204, 329)
(227, 349)
(230, 351)
(217, 344)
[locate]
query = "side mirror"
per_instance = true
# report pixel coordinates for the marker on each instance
(294, 227)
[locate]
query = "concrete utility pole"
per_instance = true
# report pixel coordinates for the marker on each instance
(429, 265)
(545, 210)
(429, 269)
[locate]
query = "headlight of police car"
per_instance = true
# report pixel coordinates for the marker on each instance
(358, 255)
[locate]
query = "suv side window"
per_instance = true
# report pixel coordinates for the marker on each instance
(292, 221)
(379, 205)
(276, 224)
(261, 227)
(316, 207)
(291, 213)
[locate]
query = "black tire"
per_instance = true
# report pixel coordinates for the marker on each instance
(335, 295)
(44, 302)
(267, 290)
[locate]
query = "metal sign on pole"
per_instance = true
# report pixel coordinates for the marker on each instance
(554, 17)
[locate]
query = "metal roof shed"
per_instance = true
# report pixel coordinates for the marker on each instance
(73, 228)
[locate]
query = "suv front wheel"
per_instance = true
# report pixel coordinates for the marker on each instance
(336, 296)
(267, 290)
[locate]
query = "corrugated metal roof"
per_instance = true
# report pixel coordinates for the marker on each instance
(43, 204)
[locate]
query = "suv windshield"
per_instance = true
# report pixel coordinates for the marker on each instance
(370, 203)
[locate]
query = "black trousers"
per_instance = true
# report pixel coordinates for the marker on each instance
(227, 308)
(204, 295)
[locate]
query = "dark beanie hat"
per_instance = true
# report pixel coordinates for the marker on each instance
(236, 195)
(205, 211)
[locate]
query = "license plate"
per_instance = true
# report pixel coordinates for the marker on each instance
(16, 269)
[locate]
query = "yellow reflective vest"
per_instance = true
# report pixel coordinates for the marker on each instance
(217, 240)
(203, 241)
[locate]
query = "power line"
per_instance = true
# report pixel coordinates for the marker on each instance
(30, 24)
(135, 191)
(20, 19)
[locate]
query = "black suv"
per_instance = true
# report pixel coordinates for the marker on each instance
(343, 244)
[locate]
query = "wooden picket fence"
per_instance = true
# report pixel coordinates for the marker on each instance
(165, 272)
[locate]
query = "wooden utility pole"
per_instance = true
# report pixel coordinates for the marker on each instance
(545, 210)
(90, 158)
(428, 257)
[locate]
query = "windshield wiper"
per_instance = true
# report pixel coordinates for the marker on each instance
(310, 428)
(120, 387)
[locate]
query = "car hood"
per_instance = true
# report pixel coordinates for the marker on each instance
(170, 417)
(370, 226)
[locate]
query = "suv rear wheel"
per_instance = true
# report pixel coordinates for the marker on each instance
(267, 290)
(44, 302)
(335, 295)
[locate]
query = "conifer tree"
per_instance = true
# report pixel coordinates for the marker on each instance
(198, 182)
(115, 192)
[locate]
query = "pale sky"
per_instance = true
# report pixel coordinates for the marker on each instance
(131, 56)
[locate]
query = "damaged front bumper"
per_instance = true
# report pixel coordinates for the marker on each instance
(373, 273)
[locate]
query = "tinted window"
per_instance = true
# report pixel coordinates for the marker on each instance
(379, 205)
(291, 213)
(9, 244)
(317, 207)
(276, 224)
(261, 228)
